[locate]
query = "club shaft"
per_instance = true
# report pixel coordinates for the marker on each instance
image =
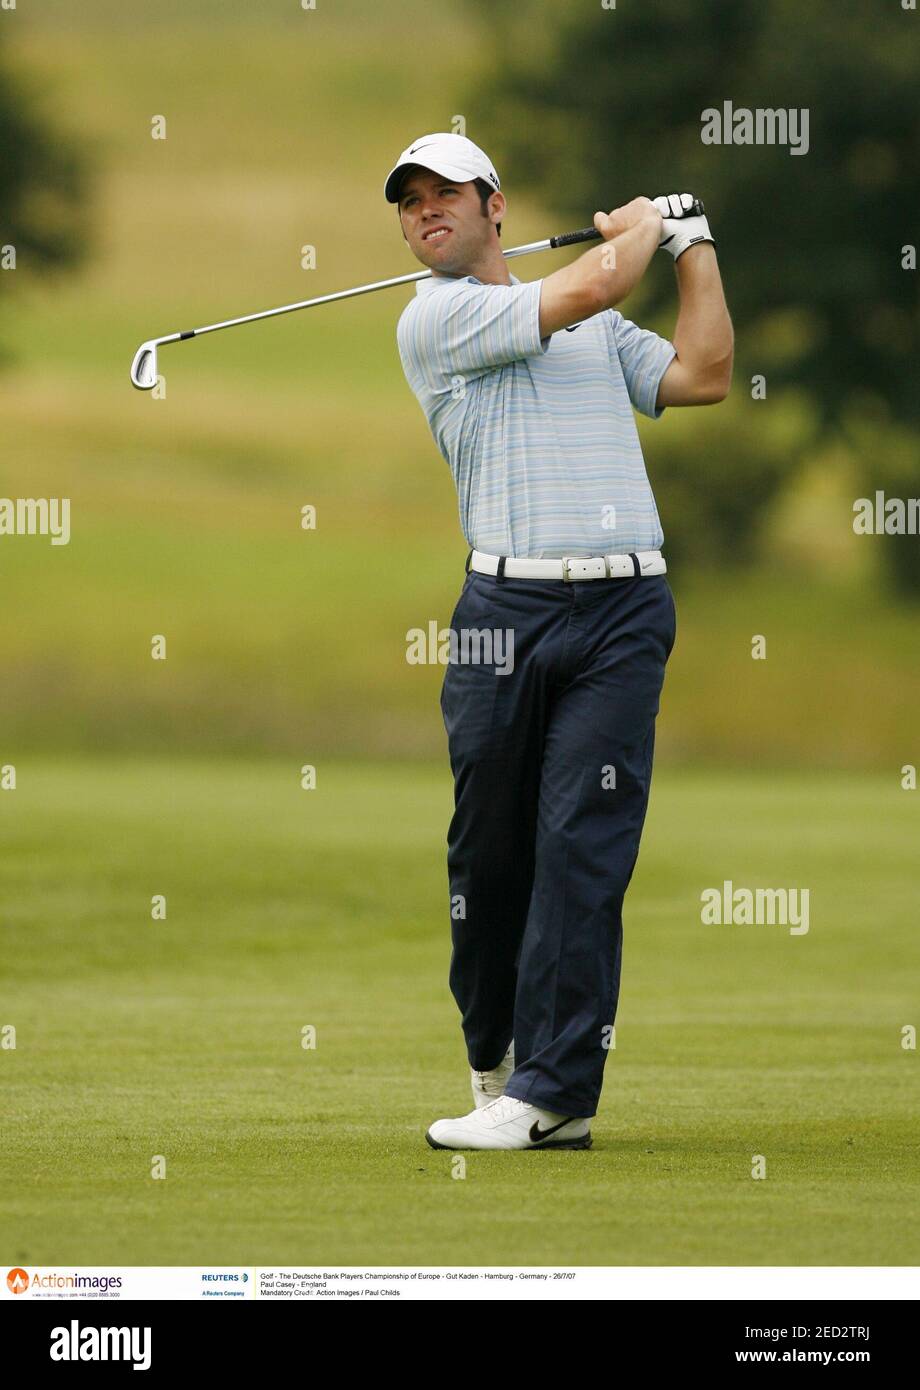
(144, 366)
(567, 239)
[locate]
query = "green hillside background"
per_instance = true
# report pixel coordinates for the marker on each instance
(186, 512)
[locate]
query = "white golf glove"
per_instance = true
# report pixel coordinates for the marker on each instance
(679, 227)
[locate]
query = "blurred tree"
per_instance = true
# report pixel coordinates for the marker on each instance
(593, 105)
(43, 183)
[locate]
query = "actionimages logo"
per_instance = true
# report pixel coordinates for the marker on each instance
(18, 1281)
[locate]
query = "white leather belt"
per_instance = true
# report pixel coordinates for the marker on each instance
(573, 568)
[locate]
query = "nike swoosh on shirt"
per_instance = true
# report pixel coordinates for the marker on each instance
(536, 1133)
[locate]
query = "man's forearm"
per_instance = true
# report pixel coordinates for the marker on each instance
(605, 275)
(703, 337)
(624, 260)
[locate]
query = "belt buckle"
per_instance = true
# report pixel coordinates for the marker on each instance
(593, 561)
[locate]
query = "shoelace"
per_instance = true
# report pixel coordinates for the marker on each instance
(502, 1109)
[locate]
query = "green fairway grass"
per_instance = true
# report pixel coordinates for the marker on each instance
(288, 908)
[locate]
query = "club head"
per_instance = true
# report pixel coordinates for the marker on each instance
(144, 367)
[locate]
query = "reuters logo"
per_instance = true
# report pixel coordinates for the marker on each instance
(17, 1281)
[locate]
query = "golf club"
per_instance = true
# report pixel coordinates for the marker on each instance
(144, 366)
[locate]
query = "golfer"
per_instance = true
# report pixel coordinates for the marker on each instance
(529, 391)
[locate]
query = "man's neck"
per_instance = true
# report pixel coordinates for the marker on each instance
(491, 268)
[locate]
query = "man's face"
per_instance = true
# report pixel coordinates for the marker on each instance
(443, 222)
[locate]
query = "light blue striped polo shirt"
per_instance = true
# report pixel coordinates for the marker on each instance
(539, 433)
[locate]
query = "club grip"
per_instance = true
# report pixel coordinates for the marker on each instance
(695, 209)
(572, 238)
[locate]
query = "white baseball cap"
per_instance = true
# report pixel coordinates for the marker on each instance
(452, 156)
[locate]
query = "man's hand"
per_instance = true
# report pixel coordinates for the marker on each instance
(619, 220)
(679, 230)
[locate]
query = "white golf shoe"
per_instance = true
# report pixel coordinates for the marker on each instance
(489, 1085)
(508, 1123)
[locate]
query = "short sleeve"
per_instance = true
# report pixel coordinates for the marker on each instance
(644, 359)
(469, 328)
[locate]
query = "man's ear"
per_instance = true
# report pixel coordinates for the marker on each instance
(498, 206)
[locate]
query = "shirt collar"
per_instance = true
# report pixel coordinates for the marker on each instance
(436, 282)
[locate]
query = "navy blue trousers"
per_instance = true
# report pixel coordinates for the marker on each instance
(552, 762)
